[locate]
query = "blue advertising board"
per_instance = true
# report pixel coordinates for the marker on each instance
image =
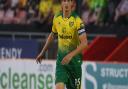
(18, 48)
(100, 75)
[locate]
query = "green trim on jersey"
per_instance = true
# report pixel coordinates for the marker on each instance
(74, 14)
(58, 14)
(75, 61)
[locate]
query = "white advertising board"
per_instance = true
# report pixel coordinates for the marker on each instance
(26, 74)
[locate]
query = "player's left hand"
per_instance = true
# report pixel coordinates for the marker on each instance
(67, 59)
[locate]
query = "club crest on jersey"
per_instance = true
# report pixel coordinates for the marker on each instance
(58, 23)
(71, 24)
(63, 30)
(81, 25)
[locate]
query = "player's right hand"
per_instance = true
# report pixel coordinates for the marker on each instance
(39, 58)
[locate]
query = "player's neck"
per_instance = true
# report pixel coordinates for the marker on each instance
(66, 14)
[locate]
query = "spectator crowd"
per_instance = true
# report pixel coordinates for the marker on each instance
(105, 12)
(96, 12)
(28, 11)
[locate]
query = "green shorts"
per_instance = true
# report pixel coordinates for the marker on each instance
(69, 74)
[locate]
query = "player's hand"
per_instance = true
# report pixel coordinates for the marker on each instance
(67, 59)
(39, 58)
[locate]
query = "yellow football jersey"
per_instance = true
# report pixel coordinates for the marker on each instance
(68, 31)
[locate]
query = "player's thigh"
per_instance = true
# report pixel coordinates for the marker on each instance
(74, 82)
(61, 75)
(60, 85)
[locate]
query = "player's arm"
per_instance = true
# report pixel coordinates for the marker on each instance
(83, 45)
(48, 41)
(82, 37)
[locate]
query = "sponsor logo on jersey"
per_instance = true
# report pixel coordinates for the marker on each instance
(65, 36)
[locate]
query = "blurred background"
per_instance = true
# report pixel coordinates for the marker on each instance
(25, 25)
(32, 20)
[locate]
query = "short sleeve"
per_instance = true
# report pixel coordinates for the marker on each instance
(80, 26)
(54, 27)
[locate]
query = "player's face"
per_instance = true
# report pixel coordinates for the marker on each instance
(66, 5)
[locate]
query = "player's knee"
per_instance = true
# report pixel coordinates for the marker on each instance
(60, 86)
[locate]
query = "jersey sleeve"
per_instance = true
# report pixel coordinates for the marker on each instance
(54, 27)
(80, 26)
